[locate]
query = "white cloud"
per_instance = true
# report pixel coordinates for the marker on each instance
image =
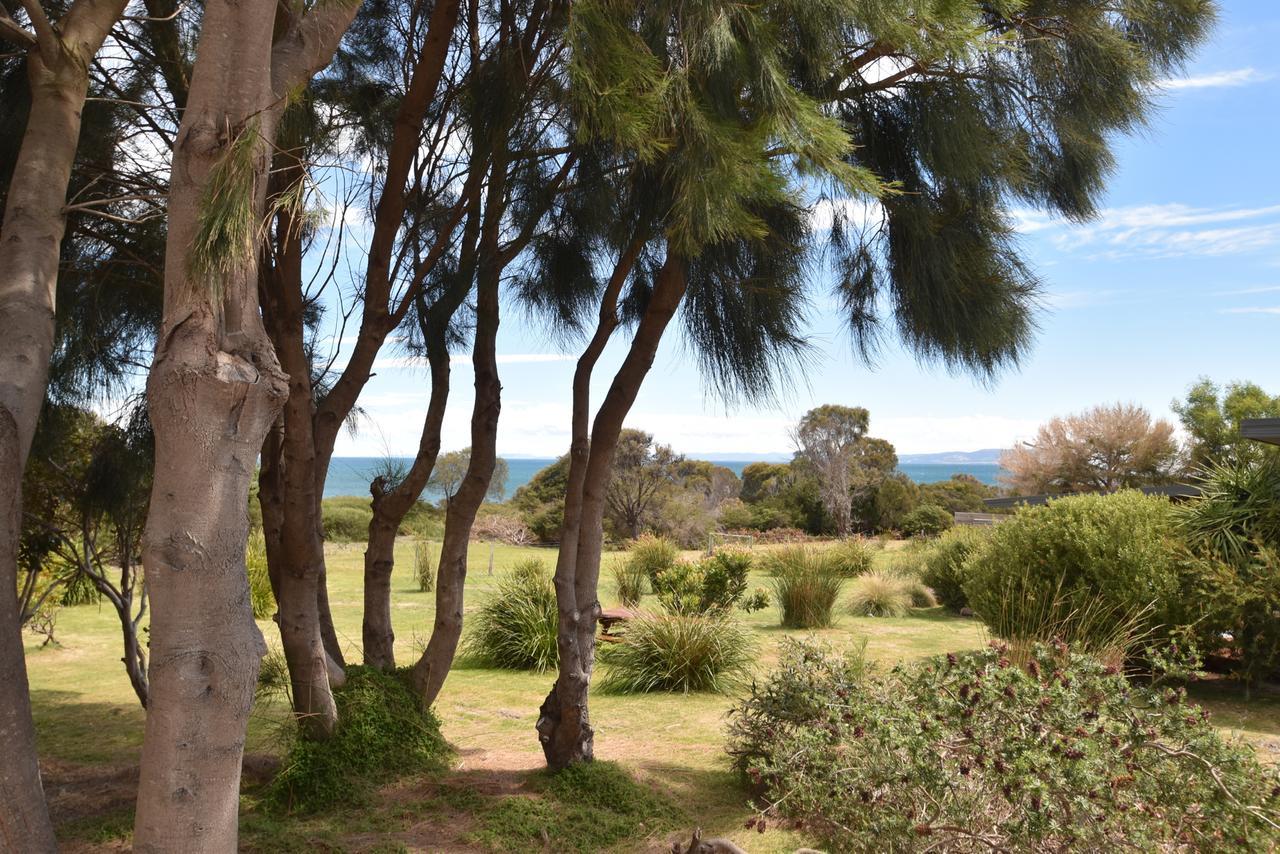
(1260, 309)
(1165, 231)
(1217, 79)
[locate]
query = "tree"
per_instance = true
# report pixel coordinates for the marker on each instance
(214, 390)
(642, 471)
(848, 465)
(451, 470)
(1101, 449)
(1027, 103)
(58, 54)
(763, 480)
(959, 493)
(1211, 419)
(541, 500)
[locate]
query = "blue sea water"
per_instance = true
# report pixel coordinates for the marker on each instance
(351, 475)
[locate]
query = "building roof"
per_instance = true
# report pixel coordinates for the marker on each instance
(1261, 429)
(1174, 491)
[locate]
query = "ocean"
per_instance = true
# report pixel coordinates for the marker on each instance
(351, 475)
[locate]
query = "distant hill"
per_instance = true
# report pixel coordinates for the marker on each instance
(986, 455)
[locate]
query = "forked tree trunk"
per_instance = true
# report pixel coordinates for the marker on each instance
(564, 721)
(214, 391)
(30, 243)
(389, 509)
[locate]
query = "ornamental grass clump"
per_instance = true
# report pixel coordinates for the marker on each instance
(383, 732)
(942, 566)
(678, 652)
(885, 594)
(652, 555)
(422, 569)
(631, 581)
(850, 557)
(516, 628)
(806, 586)
(972, 752)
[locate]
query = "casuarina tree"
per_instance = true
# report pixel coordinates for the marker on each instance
(903, 133)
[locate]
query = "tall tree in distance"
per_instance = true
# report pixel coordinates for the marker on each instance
(214, 390)
(1099, 450)
(642, 470)
(1211, 418)
(829, 440)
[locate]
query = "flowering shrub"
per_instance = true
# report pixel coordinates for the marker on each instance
(972, 752)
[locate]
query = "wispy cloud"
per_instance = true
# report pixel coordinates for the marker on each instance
(1168, 230)
(1252, 309)
(1264, 289)
(391, 363)
(1218, 79)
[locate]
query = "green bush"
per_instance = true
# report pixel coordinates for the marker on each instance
(927, 520)
(78, 588)
(516, 628)
(678, 652)
(971, 753)
(1091, 569)
(630, 580)
(806, 585)
(652, 555)
(346, 520)
(422, 568)
(942, 566)
(382, 732)
(885, 594)
(715, 583)
(588, 807)
(850, 558)
(261, 597)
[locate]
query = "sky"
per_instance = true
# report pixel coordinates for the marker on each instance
(1179, 277)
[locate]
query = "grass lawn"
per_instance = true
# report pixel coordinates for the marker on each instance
(90, 727)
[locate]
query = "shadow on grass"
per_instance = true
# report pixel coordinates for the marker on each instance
(72, 730)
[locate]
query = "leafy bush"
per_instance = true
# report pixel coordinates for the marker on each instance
(78, 588)
(972, 753)
(585, 808)
(884, 594)
(850, 558)
(630, 580)
(516, 628)
(652, 555)
(927, 520)
(715, 583)
(346, 520)
(422, 569)
(1087, 568)
(678, 652)
(806, 585)
(382, 732)
(943, 564)
(261, 597)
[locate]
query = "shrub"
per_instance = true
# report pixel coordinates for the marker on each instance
(850, 558)
(943, 564)
(806, 587)
(1063, 755)
(382, 732)
(927, 520)
(758, 600)
(651, 555)
(1089, 568)
(422, 568)
(78, 589)
(588, 807)
(346, 520)
(516, 628)
(678, 652)
(630, 580)
(261, 597)
(884, 594)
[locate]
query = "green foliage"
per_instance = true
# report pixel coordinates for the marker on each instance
(806, 585)
(715, 583)
(78, 588)
(678, 652)
(850, 557)
(961, 493)
(927, 520)
(894, 498)
(652, 556)
(885, 594)
(585, 808)
(1090, 568)
(943, 564)
(1211, 420)
(346, 519)
(261, 596)
(541, 500)
(1064, 754)
(631, 581)
(227, 224)
(422, 568)
(382, 732)
(516, 628)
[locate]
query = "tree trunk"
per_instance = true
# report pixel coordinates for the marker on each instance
(389, 509)
(564, 722)
(30, 244)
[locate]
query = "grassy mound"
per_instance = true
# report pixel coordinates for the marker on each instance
(678, 652)
(383, 733)
(516, 628)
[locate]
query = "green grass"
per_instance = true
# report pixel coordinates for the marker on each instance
(86, 714)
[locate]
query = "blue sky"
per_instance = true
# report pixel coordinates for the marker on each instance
(1179, 277)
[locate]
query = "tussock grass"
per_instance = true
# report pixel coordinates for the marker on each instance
(516, 628)
(678, 652)
(806, 586)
